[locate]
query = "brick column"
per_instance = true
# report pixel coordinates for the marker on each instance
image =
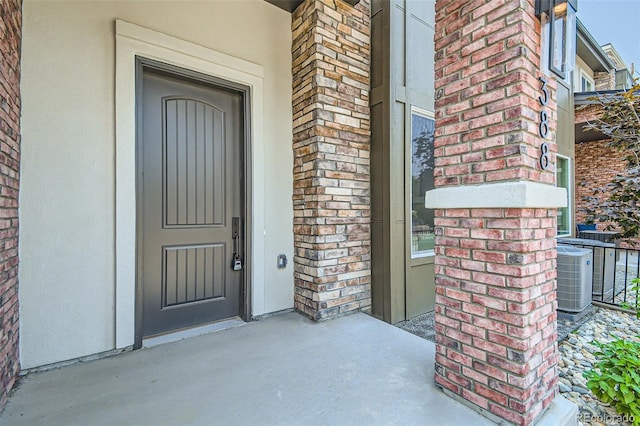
(605, 80)
(331, 196)
(495, 219)
(10, 36)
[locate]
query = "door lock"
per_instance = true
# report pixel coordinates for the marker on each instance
(236, 262)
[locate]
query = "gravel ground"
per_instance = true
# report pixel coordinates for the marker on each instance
(422, 326)
(566, 326)
(576, 355)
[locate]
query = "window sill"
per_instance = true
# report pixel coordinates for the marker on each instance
(423, 258)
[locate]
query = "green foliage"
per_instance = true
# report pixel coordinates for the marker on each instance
(619, 201)
(635, 287)
(615, 379)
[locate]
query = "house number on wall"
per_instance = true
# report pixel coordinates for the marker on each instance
(543, 128)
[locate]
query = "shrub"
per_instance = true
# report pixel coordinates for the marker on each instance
(635, 288)
(615, 379)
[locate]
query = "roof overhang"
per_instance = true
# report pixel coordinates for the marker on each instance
(586, 98)
(587, 136)
(590, 51)
(291, 5)
(583, 99)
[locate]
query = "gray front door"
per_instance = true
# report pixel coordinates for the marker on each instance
(191, 199)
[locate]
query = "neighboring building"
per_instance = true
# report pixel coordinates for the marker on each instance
(599, 70)
(624, 74)
(594, 69)
(170, 153)
(596, 163)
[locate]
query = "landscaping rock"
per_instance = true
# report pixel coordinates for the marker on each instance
(564, 388)
(580, 390)
(577, 356)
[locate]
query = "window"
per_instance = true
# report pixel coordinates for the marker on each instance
(586, 84)
(563, 173)
(422, 164)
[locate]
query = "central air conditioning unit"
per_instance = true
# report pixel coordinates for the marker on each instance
(604, 266)
(574, 278)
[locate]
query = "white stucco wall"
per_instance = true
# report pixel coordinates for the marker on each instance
(67, 210)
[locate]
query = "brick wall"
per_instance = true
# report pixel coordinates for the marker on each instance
(496, 309)
(487, 68)
(586, 113)
(331, 138)
(596, 165)
(495, 267)
(10, 36)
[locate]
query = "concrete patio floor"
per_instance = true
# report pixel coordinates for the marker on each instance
(283, 370)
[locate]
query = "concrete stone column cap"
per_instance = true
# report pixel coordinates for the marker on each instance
(521, 195)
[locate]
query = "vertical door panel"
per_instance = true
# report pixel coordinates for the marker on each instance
(191, 136)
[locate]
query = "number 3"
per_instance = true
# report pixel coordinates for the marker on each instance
(545, 92)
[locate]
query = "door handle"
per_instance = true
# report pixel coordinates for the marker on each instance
(235, 227)
(236, 262)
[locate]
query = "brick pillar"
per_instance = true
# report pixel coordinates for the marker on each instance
(10, 36)
(331, 196)
(495, 211)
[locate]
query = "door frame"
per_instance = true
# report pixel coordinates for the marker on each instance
(133, 40)
(141, 64)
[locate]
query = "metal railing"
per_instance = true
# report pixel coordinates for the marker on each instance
(625, 269)
(613, 270)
